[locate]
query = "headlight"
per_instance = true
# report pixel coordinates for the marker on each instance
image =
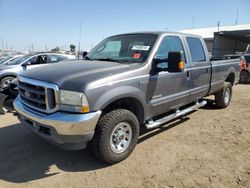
(73, 101)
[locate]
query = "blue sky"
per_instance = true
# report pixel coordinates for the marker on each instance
(57, 22)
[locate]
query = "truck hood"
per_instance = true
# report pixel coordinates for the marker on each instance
(74, 76)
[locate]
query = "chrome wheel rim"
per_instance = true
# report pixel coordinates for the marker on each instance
(227, 96)
(6, 83)
(121, 137)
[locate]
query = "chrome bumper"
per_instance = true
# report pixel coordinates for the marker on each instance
(61, 127)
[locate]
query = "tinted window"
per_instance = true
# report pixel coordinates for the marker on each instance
(56, 58)
(196, 49)
(41, 59)
(170, 43)
(247, 58)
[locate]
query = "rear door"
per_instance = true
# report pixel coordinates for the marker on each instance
(200, 69)
(169, 91)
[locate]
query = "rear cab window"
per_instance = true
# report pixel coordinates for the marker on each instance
(196, 49)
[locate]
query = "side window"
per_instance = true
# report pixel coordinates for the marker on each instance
(33, 60)
(56, 58)
(196, 49)
(168, 44)
(40, 59)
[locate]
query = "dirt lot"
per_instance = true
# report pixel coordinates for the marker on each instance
(209, 148)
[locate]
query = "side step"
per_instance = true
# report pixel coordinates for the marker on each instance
(178, 113)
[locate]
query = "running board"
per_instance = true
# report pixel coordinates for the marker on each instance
(178, 113)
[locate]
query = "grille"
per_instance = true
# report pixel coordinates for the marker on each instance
(38, 95)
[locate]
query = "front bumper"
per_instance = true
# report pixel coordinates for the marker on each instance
(67, 130)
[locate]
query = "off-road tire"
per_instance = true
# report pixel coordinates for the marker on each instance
(223, 97)
(100, 143)
(244, 77)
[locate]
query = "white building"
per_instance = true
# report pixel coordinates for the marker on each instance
(224, 39)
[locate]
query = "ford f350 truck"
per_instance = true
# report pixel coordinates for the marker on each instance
(126, 82)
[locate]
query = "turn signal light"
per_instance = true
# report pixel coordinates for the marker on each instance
(85, 109)
(181, 65)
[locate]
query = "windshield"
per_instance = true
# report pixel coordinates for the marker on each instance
(133, 48)
(5, 59)
(19, 60)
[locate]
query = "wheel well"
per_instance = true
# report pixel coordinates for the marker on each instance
(230, 78)
(245, 71)
(7, 76)
(128, 103)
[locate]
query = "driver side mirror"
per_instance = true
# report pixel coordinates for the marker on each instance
(26, 63)
(173, 63)
(84, 53)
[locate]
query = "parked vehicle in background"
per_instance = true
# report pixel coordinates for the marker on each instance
(126, 82)
(244, 64)
(8, 59)
(10, 70)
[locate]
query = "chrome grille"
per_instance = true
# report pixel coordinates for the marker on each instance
(38, 95)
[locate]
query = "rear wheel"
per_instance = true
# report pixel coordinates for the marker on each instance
(223, 97)
(116, 136)
(6, 81)
(244, 77)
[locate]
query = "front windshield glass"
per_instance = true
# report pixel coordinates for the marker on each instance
(17, 61)
(4, 60)
(132, 48)
(14, 59)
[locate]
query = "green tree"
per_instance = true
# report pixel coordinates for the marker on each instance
(72, 48)
(56, 49)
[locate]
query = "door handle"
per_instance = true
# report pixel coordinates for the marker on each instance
(188, 75)
(206, 70)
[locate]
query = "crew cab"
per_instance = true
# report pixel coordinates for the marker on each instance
(126, 82)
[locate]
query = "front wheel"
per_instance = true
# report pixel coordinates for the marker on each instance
(6, 81)
(116, 136)
(223, 97)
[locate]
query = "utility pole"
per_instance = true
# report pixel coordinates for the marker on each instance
(237, 16)
(218, 26)
(193, 22)
(80, 36)
(2, 44)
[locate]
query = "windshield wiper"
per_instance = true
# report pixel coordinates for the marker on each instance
(110, 59)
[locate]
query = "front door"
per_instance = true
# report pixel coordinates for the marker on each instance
(168, 91)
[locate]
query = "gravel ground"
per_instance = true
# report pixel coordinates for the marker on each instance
(208, 148)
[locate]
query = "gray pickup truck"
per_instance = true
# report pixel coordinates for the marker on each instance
(126, 82)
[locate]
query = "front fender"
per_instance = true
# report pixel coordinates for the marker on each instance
(118, 93)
